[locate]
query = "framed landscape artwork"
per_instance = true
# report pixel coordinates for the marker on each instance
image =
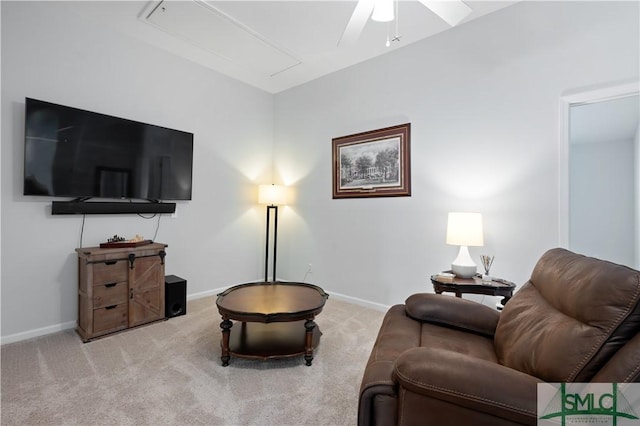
(372, 164)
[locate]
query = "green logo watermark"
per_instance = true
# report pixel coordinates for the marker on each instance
(616, 404)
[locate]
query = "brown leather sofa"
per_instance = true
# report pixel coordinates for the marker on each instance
(441, 360)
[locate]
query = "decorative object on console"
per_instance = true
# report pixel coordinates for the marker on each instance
(118, 241)
(446, 277)
(372, 164)
(272, 196)
(464, 229)
(487, 261)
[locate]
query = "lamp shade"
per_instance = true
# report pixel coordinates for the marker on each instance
(272, 194)
(465, 229)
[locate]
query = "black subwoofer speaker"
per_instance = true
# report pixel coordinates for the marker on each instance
(175, 296)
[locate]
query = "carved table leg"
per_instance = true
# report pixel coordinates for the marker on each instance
(308, 344)
(503, 302)
(225, 325)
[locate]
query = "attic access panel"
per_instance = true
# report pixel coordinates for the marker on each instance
(210, 29)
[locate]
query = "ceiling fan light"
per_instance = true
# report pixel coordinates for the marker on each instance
(383, 11)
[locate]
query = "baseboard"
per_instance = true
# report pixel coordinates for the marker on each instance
(38, 332)
(338, 296)
(359, 302)
(332, 294)
(207, 293)
(30, 334)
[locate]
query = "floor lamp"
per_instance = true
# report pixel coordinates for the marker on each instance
(272, 196)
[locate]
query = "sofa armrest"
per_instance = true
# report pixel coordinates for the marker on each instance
(466, 382)
(378, 391)
(453, 312)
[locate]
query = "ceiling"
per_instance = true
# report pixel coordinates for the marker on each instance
(272, 45)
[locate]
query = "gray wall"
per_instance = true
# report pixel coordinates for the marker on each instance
(52, 54)
(482, 99)
(602, 207)
(602, 178)
(636, 169)
(483, 102)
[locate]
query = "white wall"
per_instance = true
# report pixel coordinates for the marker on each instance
(482, 99)
(52, 54)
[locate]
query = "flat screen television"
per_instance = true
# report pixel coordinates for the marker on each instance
(70, 152)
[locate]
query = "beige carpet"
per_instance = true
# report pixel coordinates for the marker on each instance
(169, 373)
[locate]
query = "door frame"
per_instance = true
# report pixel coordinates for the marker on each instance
(573, 98)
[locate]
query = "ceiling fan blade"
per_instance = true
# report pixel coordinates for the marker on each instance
(357, 22)
(451, 11)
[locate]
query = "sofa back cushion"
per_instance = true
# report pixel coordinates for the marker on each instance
(573, 314)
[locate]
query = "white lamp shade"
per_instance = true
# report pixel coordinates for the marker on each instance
(383, 11)
(465, 229)
(272, 195)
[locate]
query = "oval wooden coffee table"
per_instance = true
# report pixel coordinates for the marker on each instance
(277, 320)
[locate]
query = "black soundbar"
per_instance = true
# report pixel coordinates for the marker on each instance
(114, 207)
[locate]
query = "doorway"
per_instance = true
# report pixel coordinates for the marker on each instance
(600, 174)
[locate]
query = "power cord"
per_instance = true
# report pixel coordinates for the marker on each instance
(82, 229)
(157, 227)
(159, 215)
(84, 216)
(306, 274)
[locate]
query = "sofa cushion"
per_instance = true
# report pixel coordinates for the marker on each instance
(572, 315)
(453, 312)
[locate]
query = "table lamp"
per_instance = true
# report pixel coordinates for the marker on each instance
(272, 196)
(464, 230)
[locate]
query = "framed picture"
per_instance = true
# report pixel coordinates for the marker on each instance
(373, 164)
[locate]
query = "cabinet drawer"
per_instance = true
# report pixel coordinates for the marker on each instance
(109, 294)
(110, 272)
(110, 318)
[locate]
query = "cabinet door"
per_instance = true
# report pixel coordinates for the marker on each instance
(146, 290)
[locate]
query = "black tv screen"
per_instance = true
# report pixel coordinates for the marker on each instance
(70, 152)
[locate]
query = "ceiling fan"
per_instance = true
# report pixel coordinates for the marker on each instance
(451, 11)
